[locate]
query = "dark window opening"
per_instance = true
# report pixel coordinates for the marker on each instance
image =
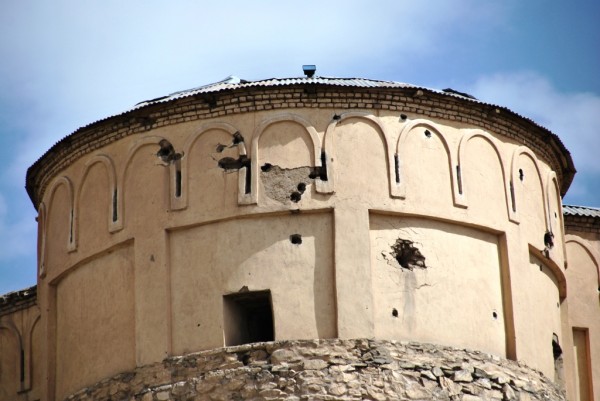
(115, 216)
(248, 183)
(248, 317)
(458, 177)
(71, 228)
(178, 183)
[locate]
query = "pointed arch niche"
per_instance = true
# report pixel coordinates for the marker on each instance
(288, 141)
(423, 155)
(481, 175)
(203, 183)
(362, 131)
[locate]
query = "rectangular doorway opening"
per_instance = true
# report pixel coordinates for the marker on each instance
(248, 317)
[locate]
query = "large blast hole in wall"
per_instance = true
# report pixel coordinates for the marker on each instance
(248, 317)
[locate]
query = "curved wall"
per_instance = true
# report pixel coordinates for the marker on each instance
(421, 228)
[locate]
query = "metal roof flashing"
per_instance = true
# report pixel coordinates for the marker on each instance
(232, 83)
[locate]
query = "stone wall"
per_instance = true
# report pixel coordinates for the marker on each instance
(328, 370)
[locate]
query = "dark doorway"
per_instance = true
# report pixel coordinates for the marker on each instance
(248, 317)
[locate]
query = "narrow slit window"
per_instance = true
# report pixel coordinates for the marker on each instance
(459, 179)
(115, 215)
(178, 183)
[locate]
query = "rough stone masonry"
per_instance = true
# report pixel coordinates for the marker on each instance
(328, 370)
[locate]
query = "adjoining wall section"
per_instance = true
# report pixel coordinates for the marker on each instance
(436, 282)
(96, 323)
(290, 255)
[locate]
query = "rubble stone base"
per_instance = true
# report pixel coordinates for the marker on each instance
(328, 370)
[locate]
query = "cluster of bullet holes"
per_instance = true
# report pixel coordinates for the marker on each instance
(229, 163)
(296, 196)
(408, 255)
(167, 153)
(296, 239)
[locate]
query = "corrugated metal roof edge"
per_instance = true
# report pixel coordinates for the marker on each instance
(583, 211)
(252, 84)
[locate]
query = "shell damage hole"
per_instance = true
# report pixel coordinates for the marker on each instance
(296, 239)
(408, 255)
(549, 239)
(229, 163)
(395, 312)
(296, 197)
(556, 349)
(301, 187)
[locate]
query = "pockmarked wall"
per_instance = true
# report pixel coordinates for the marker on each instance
(301, 211)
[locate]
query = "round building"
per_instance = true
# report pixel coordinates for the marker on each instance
(303, 238)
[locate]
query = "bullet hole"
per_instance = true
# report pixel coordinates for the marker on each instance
(337, 117)
(151, 258)
(301, 187)
(266, 167)
(521, 174)
(549, 239)
(229, 163)
(428, 133)
(403, 116)
(555, 215)
(295, 197)
(541, 268)
(495, 315)
(237, 139)
(296, 239)
(167, 152)
(407, 255)
(556, 349)
(395, 312)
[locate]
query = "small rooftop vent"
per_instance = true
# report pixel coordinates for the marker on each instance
(309, 70)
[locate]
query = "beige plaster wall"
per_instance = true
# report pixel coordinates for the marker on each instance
(584, 310)
(95, 321)
(252, 254)
(20, 354)
(462, 273)
(228, 228)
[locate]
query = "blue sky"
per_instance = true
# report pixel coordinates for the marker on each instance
(65, 64)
